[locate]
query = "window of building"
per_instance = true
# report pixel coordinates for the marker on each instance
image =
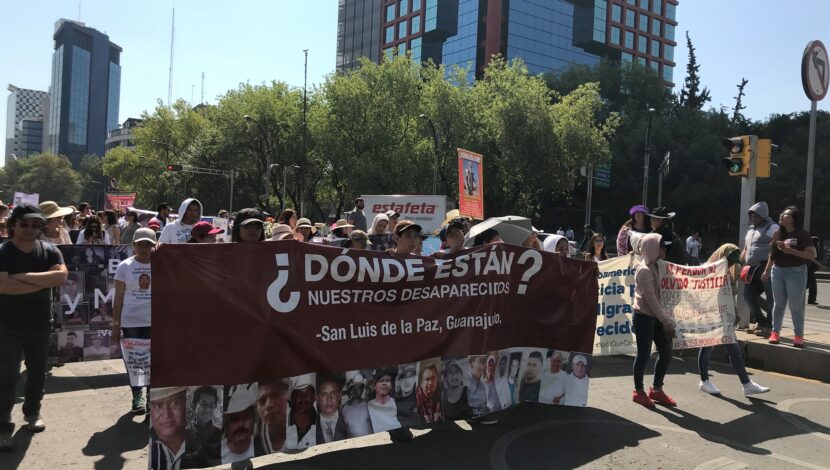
(655, 48)
(415, 47)
(654, 65)
(615, 35)
(416, 24)
(388, 53)
(657, 6)
(402, 48)
(655, 26)
(416, 5)
(402, 33)
(669, 31)
(616, 13)
(642, 44)
(430, 15)
(626, 57)
(390, 12)
(668, 73)
(629, 39)
(644, 4)
(79, 96)
(632, 2)
(644, 23)
(668, 52)
(390, 33)
(642, 61)
(629, 18)
(671, 11)
(403, 8)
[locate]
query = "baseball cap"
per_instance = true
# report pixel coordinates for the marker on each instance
(392, 214)
(247, 216)
(405, 225)
(26, 211)
(153, 223)
(144, 234)
(204, 228)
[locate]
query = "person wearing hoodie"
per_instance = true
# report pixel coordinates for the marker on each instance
(731, 254)
(557, 244)
(190, 212)
(651, 324)
(754, 255)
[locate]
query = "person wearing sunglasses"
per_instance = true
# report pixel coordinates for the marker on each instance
(29, 270)
(93, 233)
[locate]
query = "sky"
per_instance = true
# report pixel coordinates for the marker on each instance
(261, 40)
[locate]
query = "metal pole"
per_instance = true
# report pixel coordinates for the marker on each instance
(811, 155)
(660, 189)
(647, 157)
(747, 199)
(590, 194)
(284, 187)
(230, 209)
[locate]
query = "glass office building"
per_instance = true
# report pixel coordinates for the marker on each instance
(24, 121)
(85, 91)
(547, 34)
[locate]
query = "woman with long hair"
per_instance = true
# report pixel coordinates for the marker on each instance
(792, 250)
(111, 227)
(288, 217)
(248, 226)
(129, 230)
(93, 233)
(635, 227)
(732, 255)
(597, 249)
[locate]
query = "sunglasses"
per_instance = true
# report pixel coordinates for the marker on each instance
(34, 225)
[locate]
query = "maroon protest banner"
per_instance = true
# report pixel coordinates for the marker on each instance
(247, 312)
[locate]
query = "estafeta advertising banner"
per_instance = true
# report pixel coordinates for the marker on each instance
(427, 211)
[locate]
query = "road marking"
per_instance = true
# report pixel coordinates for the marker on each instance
(722, 463)
(784, 410)
(498, 453)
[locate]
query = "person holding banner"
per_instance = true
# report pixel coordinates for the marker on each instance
(248, 226)
(732, 255)
(131, 305)
(29, 269)
(652, 324)
(633, 229)
(53, 231)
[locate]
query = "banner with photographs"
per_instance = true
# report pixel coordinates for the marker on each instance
(82, 306)
(20, 198)
(470, 184)
(699, 298)
(412, 341)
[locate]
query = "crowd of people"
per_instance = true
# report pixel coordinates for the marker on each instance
(774, 260)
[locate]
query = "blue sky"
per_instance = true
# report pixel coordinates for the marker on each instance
(262, 40)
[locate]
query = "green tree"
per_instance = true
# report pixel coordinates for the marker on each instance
(692, 96)
(51, 176)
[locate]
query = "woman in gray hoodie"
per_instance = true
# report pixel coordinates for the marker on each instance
(651, 324)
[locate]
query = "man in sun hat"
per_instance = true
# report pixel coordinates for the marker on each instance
(168, 411)
(281, 232)
(393, 220)
(54, 232)
(302, 420)
(238, 423)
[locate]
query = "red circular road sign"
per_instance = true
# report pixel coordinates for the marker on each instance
(815, 70)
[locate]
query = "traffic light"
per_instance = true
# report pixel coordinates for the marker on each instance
(765, 148)
(174, 168)
(739, 155)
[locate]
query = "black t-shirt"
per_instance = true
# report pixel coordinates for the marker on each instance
(799, 239)
(28, 310)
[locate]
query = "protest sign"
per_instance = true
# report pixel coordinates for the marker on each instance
(136, 353)
(470, 184)
(426, 211)
(698, 298)
(82, 306)
(20, 198)
(119, 201)
(379, 341)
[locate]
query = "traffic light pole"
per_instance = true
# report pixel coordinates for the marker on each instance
(747, 199)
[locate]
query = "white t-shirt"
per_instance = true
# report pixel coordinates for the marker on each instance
(576, 391)
(136, 309)
(175, 232)
(553, 385)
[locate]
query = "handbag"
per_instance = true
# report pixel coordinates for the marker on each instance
(748, 273)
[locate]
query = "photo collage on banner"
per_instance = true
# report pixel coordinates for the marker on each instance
(82, 306)
(226, 424)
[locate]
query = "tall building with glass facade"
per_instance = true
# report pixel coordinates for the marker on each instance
(358, 32)
(547, 34)
(85, 91)
(24, 121)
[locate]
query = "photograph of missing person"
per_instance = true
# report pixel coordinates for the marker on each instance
(383, 411)
(167, 428)
(204, 425)
(531, 375)
(428, 396)
(331, 425)
(507, 376)
(476, 388)
(576, 384)
(302, 416)
(554, 377)
(71, 346)
(92, 259)
(491, 381)
(96, 345)
(356, 408)
(101, 317)
(75, 316)
(71, 292)
(238, 420)
(272, 416)
(405, 394)
(454, 397)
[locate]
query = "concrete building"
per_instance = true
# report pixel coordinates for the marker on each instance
(85, 91)
(123, 136)
(24, 121)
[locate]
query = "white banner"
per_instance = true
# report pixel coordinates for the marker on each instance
(20, 198)
(136, 354)
(698, 298)
(426, 211)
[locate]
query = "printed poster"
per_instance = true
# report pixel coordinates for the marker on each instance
(470, 184)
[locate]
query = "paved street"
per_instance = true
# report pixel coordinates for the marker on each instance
(89, 427)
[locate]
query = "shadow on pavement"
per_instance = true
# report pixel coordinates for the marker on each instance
(123, 436)
(61, 384)
(22, 440)
(530, 436)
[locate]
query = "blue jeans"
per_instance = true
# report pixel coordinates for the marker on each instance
(648, 329)
(788, 288)
(138, 332)
(15, 342)
(734, 351)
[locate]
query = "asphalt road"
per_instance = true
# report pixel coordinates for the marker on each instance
(89, 427)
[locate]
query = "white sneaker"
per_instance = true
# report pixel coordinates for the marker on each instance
(754, 389)
(35, 424)
(708, 387)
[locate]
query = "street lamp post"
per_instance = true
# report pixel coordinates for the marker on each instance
(250, 118)
(647, 157)
(284, 181)
(435, 146)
